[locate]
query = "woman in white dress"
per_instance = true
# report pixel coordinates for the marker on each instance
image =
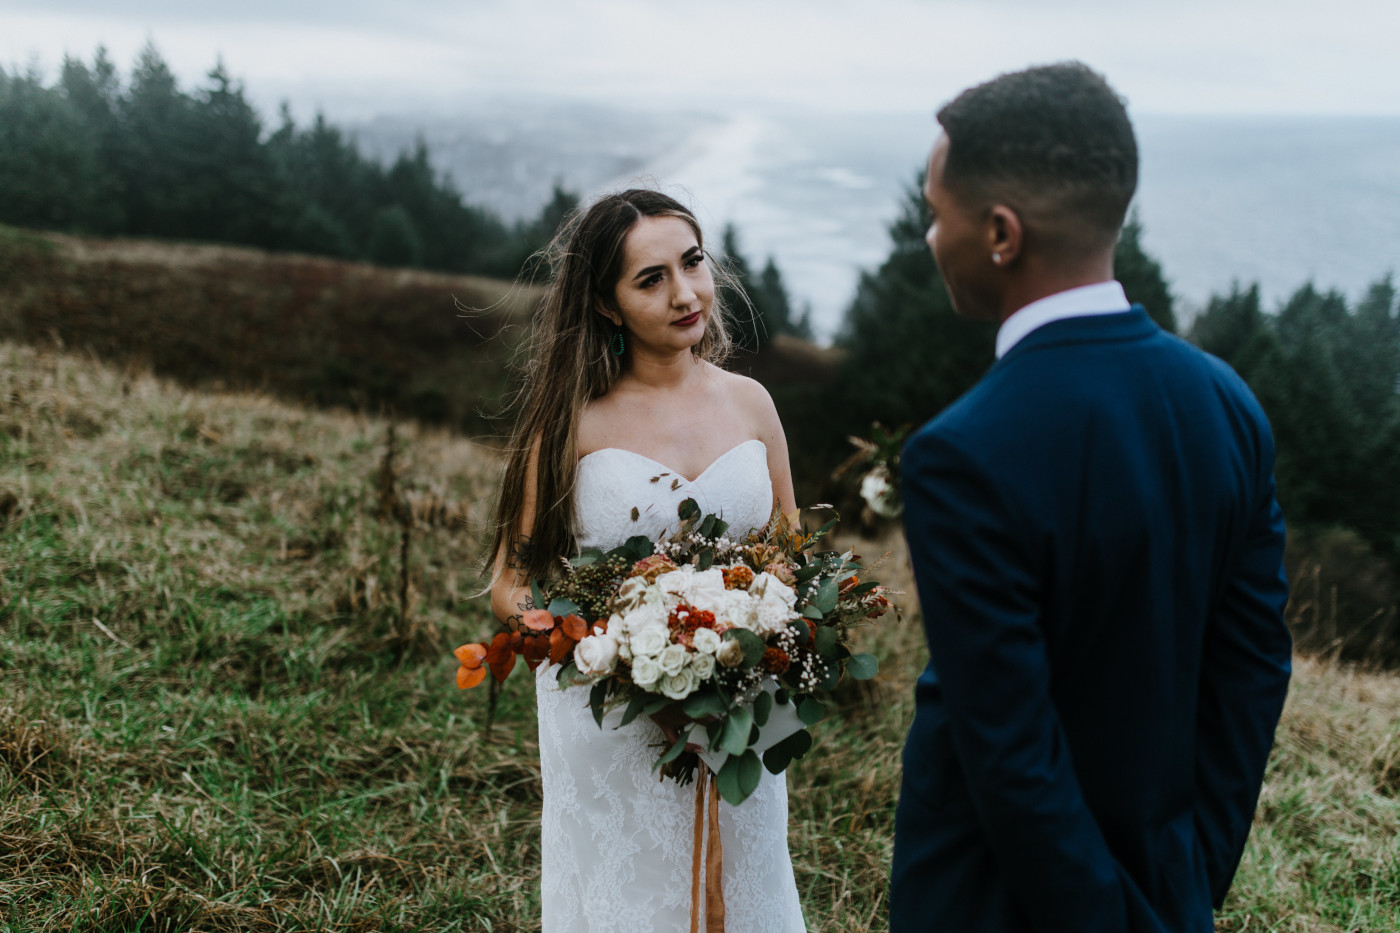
(624, 414)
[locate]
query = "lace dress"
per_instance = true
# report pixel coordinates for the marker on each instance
(617, 841)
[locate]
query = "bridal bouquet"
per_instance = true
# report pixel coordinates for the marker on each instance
(733, 638)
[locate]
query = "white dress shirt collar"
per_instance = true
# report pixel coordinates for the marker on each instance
(1099, 298)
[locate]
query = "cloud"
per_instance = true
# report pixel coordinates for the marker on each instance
(1188, 56)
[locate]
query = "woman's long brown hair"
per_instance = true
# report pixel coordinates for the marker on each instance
(568, 364)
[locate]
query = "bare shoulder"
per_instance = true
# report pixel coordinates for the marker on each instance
(748, 395)
(751, 400)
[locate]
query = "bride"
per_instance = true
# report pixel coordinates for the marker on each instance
(624, 414)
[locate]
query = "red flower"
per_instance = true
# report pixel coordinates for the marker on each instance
(775, 661)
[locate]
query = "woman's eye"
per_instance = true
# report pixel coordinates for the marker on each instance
(651, 280)
(695, 260)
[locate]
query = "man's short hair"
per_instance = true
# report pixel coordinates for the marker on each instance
(1055, 134)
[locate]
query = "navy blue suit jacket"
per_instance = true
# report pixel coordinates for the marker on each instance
(1099, 557)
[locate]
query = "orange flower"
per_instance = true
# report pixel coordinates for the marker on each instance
(737, 578)
(537, 620)
(775, 661)
(471, 672)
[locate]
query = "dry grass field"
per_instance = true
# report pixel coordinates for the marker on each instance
(224, 704)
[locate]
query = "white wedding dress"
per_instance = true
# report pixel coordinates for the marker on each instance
(616, 840)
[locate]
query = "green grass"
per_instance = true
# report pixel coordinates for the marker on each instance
(213, 715)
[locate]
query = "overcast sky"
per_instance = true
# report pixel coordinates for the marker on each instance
(355, 58)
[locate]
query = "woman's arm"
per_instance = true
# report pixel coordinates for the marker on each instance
(511, 596)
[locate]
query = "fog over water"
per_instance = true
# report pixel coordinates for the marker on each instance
(1274, 200)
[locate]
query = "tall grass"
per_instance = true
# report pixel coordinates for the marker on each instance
(221, 709)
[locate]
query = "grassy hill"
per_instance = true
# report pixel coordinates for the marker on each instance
(422, 344)
(224, 706)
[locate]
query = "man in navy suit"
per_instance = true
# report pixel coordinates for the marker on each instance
(1099, 557)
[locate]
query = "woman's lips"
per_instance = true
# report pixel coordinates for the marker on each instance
(687, 320)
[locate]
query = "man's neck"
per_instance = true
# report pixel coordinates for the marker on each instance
(1037, 280)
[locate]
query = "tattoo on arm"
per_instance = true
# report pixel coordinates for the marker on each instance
(519, 554)
(516, 622)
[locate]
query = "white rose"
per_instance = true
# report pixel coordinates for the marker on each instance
(880, 494)
(766, 586)
(645, 672)
(673, 659)
(677, 583)
(630, 595)
(773, 614)
(703, 665)
(596, 655)
(706, 640)
(649, 642)
(707, 589)
(679, 686)
(738, 609)
(730, 653)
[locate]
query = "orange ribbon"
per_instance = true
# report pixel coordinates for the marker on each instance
(711, 855)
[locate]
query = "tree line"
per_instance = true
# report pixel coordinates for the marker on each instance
(94, 153)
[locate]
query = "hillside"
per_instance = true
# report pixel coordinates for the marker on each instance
(422, 344)
(215, 715)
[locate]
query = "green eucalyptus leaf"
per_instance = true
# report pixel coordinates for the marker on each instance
(830, 676)
(688, 510)
(720, 528)
(826, 641)
(753, 645)
(655, 704)
(704, 703)
(538, 595)
(706, 558)
(737, 725)
(634, 707)
(597, 697)
(639, 547)
(674, 751)
(559, 607)
(863, 666)
(707, 526)
(784, 753)
(727, 782)
(762, 708)
(811, 711)
(810, 611)
(750, 771)
(827, 595)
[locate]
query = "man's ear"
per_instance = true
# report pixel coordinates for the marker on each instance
(1005, 234)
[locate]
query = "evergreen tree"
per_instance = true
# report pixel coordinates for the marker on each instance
(1141, 275)
(50, 167)
(908, 354)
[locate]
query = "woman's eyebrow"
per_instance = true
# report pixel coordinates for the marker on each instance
(662, 268)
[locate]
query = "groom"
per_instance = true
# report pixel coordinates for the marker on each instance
(1098, 552)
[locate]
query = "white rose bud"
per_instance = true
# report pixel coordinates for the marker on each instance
(645, 672)
(596, 655)
(703, 665)
(649, 642)
(673, 659)
(707, 640)
(730, 653)
(679, 686)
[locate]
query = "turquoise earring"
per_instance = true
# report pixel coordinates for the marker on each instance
(617, 344)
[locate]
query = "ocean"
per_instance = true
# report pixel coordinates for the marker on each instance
(1278, 201)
